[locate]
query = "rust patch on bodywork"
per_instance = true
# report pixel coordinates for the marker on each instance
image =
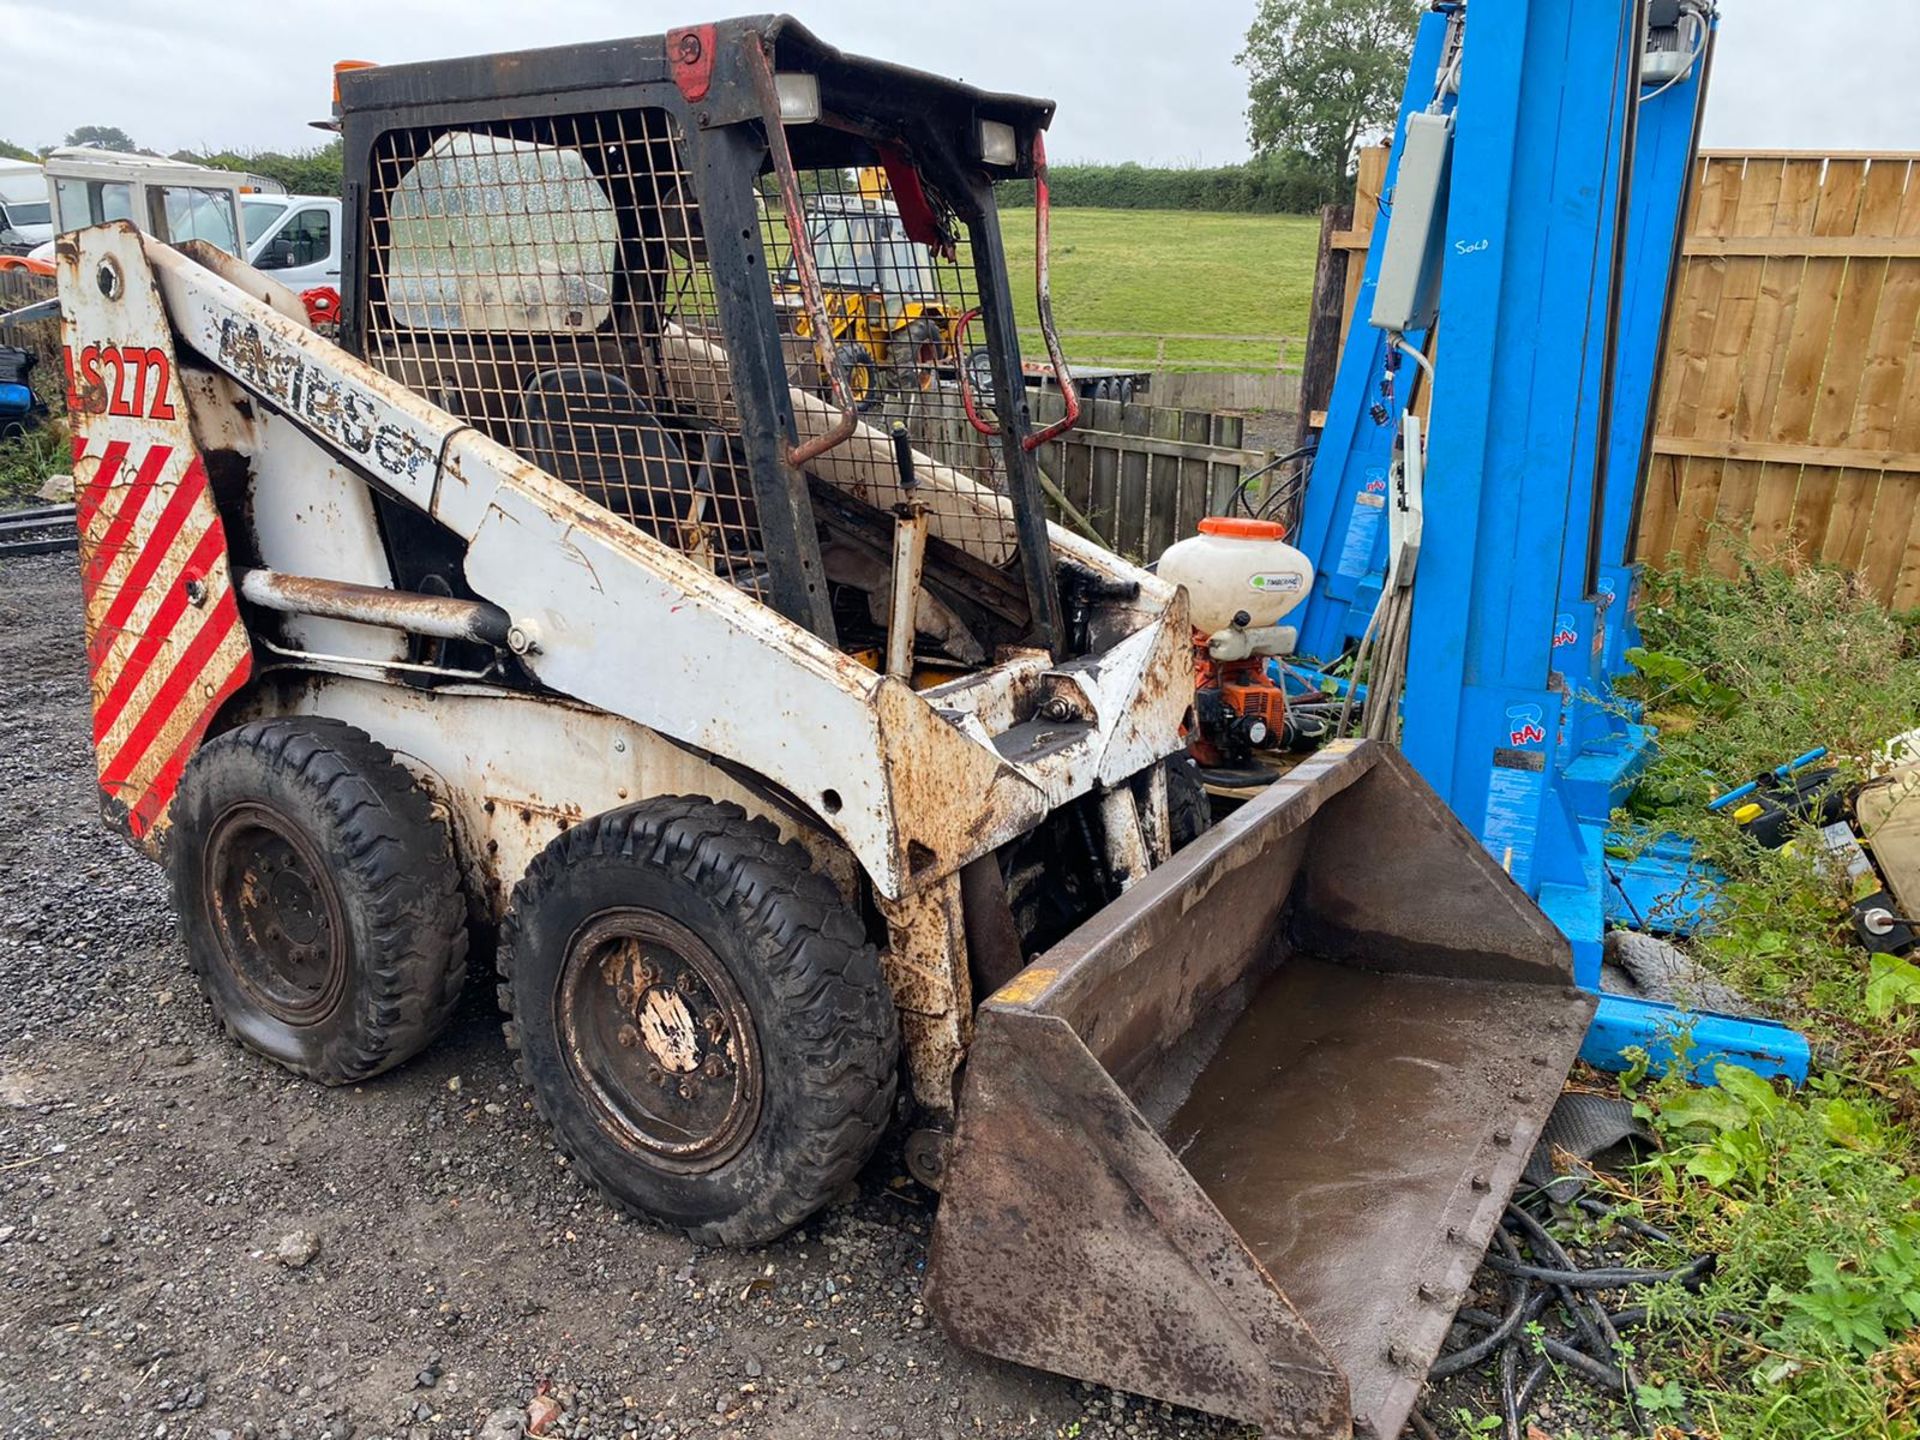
(925, 963)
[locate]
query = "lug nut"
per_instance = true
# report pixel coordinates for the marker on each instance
(715, 1067)
(629, 1037)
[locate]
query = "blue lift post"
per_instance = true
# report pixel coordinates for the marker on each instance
(1524, 597)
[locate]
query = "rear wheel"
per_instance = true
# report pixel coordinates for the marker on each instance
(318, 897)
(700, 1017)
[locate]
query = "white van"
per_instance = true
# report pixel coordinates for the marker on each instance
(293, 238)
(171, 200)
(26, 214)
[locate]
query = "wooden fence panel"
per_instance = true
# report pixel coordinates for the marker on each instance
(1144, 475)
(1789, 413)
(1790, 359)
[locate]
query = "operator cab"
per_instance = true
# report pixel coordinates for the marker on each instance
(752, 342)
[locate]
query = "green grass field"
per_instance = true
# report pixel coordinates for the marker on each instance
(1170, 272)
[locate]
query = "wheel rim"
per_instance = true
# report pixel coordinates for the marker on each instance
(657, 1033)
(276, 915)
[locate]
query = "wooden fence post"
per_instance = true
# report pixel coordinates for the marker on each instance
(1323, 321)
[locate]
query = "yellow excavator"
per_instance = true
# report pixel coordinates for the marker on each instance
(894, 329)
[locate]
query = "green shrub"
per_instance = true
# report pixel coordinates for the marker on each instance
(1278, 185)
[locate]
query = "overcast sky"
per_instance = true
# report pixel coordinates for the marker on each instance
(1146, 80)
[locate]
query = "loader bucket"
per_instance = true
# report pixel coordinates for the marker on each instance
(1240, 1141)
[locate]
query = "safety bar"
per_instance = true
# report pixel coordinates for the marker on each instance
(812, 296)
(960, 369)
(1043, 296)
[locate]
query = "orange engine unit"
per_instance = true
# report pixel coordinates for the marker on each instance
(1237, 710)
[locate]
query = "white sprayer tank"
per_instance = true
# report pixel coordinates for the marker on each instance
(1235, 566)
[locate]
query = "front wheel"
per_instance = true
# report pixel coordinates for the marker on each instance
(700, 1016)
(856, 364)
(1189, 811)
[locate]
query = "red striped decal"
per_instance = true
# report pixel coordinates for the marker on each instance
(88, 501)
(153, 550)
(132, 498)
(166, 780)
(184, 677)
(165, 641)
(157, 633)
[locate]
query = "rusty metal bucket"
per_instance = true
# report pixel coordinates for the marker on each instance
(1239, 1142)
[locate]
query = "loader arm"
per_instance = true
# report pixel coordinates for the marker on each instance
(610, 616)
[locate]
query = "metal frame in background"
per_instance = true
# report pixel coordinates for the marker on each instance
(1554, 300)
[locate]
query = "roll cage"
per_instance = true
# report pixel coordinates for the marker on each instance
(576, 250)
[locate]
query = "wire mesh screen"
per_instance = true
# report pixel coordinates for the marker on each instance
(548, 282)
(905, 329)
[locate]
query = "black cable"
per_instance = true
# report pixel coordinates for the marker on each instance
(1629, 1223)
(1597, 1372)
(1601, 1279)
(1240, 490)
(1522, 1305)
(1550, 1250)
(1546, 1277)
(1509, 1390)
(1528, 1386)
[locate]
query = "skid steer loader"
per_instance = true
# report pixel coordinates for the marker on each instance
(788, 748)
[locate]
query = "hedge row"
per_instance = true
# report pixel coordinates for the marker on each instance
(1278, 185)
(1281, 185)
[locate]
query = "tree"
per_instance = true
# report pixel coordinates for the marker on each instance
(103, 137)
(1321, 73)
(11, 151)
(303, 172)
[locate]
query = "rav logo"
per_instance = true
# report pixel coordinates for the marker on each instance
(1523, 725)
(89, 392)
(1564, 633)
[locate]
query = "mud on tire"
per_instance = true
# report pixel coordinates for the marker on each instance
(700, 1017)
(318, 896)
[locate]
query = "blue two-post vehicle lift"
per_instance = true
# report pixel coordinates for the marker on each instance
(1553, 250)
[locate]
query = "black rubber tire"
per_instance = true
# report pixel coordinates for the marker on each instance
(856, 360)
(1189, 810)
(389, 863)
(823, 1019)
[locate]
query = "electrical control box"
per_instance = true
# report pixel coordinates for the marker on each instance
(1407, 296)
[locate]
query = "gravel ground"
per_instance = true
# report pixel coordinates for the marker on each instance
(193, 1243)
